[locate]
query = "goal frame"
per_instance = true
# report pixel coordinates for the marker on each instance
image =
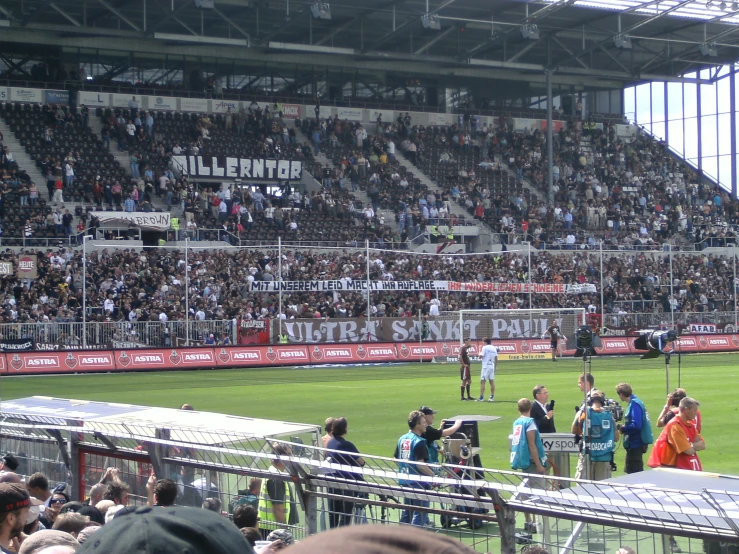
(580, 312)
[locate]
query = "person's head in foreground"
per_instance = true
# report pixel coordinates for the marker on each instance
(149, 530)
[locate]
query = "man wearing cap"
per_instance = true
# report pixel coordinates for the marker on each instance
(15, 503)
(9, 463)
(412, 448)
(431, 435)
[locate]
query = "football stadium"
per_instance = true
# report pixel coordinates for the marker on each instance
(382, 276)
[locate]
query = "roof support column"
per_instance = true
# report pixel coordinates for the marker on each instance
(550, 149)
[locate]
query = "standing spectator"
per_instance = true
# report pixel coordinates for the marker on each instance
(67, 220)
(149, 124)
(636, 428)
(134, 107)
(134, 162)
(15, 503)
(130, 204)
(341, 511)
(69, 174)
(33, 195)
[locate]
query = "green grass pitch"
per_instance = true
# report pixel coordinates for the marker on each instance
(376, 399)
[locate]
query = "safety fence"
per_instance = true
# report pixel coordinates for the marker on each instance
(482, 507)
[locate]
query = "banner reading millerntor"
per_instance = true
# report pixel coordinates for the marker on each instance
(450, 286)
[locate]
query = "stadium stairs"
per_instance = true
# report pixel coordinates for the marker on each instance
(22, 158)
(359, 194)
(488, 238)
(96, 126)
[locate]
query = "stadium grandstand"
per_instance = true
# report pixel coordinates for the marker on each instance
(261, 177)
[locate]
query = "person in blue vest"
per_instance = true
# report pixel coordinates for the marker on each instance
(527, 453)
(412, 447)
(637, 429)
(601, 436)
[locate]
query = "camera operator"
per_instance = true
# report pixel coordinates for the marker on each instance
(541, 411)
(672, 409)
(431, 435)
(637, 429)
(601, 437)
(412, 448)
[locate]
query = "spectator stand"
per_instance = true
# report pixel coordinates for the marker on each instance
(137, 296)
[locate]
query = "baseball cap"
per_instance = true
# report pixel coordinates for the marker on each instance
(14, 496)
(378, 539)
(425, 410)
(10, 461)
(173, 529)
(283, 535)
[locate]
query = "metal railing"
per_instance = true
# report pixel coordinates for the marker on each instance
(455, 491)
(68, 335)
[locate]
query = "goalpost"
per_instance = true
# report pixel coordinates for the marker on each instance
(522, 323)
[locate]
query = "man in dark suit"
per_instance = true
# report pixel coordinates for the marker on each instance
(541, 411)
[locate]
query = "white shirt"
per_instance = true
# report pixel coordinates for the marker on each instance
(489, 355)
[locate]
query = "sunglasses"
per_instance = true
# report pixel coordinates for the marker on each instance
(58, 501)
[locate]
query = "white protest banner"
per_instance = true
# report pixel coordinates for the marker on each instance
(452, 286)
(144, 220)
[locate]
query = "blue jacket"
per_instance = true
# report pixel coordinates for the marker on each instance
(637, 428)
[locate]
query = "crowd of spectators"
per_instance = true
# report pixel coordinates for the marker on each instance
(129, 286)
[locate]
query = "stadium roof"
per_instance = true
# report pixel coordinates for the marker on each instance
(587, 43)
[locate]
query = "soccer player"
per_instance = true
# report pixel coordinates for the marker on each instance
(555, 334)
(489, 355)
(464, 369)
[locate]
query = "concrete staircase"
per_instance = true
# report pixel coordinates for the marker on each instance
(22, 158)
(486, 234)
(359, 194)
(96, 125)
(121, 157)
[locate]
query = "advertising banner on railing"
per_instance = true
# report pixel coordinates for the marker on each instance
(243, 168)
(93, 99)
(33, 95)
(162, 103)
(4, 94)
(291, 111)
(352, 114)
(455, 286)
(56, 96)
(222, 106)
(193, 105)
(28, 363)
(16, 345)
(27, 266)
(123, 100)
(159, 221)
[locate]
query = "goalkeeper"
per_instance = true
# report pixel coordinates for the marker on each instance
(555, 335)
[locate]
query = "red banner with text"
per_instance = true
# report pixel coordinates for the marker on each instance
(76, 361)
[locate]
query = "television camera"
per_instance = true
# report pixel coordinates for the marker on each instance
(654, 342)
(584, 341)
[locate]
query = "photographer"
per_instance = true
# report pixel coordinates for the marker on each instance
(431, 435)
(672, 409)
(679, 443)
(600, 439)
(637, 429)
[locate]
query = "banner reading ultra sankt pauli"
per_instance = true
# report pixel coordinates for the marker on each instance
(447, 286)
(401, 329)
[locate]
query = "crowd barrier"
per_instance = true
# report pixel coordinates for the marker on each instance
(76, 361)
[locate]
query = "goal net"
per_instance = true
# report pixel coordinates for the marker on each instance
(516, 324)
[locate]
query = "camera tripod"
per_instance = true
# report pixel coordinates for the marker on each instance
(668, 357)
